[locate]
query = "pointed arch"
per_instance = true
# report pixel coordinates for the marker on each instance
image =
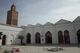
(4, 40)
(78, 36)
(66, 37)
(28, 38)
(37, 37)
(60, 37)
(48, 37)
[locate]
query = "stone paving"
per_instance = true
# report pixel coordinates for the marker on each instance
(41, 49)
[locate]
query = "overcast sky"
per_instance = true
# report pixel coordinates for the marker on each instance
(41, 11)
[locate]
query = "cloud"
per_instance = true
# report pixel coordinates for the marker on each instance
(50, 11)
(67, 12)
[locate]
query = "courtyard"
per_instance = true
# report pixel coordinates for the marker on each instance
(42, 49)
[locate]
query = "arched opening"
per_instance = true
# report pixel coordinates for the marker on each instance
(28, 38)
(4, 40)
(0, 34)
(66, 37)
(48, 37)
(60, 37)
(78, 36)
(37, 38)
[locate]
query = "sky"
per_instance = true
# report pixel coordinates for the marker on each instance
(41, 11)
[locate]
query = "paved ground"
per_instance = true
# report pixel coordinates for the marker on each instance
(42, 49)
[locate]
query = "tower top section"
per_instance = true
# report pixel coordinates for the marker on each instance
(13, 7)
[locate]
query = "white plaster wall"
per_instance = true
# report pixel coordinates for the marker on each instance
(31, 31)
(66, 26)
(39, 29)
(76, 27)
(42, 30)
(50, 28)
(10, 32)
(54, 30)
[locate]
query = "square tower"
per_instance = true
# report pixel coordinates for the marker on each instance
(12, 16)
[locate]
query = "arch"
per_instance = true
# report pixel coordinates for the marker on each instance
(37, 37)
(28, 38)
(78, 36)
(48, 37)
(60, 37)
(4, 40)
(66, 37)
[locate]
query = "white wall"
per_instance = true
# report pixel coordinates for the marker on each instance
(42, 29)
(10, 32)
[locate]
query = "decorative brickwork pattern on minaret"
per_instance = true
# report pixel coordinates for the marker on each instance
(12, 16)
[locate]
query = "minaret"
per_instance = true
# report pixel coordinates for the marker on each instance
(12, 16)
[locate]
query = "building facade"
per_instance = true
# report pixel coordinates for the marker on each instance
(62, 32)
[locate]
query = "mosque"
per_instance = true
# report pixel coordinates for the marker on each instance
(62, 32)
